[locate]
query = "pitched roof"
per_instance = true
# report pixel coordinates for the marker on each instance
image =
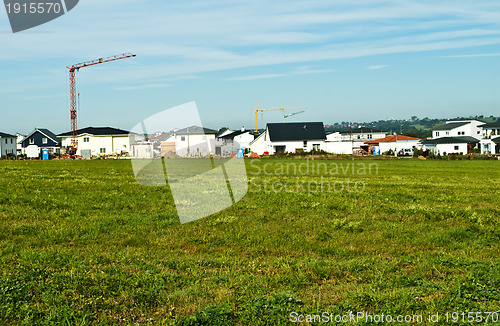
(47, 133)
(296, 131)
(97, 131)
(495, 124)
(162, 137)
(196, 130)
(4, 135)
(450, 126)
(50, 134)
(451, 140)
(237, 133)
(391, 139)
(496, 140)
(221, 131)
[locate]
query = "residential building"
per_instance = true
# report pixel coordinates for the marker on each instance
(290, 137)
(394, 143)
(460, 128)
(352, 140)
(450, 145)
(362, 134)
(8, 145)
(100, 141)
(490, 144)
(39, 139)
(358, 137)
(337, 144)
(158, 143)
(193, 141)
(219, 142)
(235, 140)
(19, 140)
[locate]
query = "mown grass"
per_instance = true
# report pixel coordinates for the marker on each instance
(83, 244)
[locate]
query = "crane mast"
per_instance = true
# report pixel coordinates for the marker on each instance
(72, 90)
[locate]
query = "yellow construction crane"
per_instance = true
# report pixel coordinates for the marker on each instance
(262, 110)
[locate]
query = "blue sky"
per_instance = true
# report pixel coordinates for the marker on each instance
(344, 60)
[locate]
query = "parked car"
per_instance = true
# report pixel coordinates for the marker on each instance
(405, 152)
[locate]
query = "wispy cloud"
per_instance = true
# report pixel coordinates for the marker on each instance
(304, 70)
(255, 77)
(376, 67)
(472, 55)
(138, 87)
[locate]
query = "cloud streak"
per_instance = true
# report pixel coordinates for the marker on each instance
(376, 67)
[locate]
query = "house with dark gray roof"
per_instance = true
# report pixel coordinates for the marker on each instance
(100, 141)
(451, 145)
(490, 144)
(469, 128)
(455, 137)
(235, 140)
(290, 137)
(39, 139)
(8, 145)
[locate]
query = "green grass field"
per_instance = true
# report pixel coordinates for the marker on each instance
(83, 244)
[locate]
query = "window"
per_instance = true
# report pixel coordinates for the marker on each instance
(32, 141)
(478, 132)
(11, 141)
(45, 140)
(437, 133)
(370, 136)
(456, 148)
(103, 150)
(315, 147)
(359, 136)
(85, 139)
(447, 133)
(183, 138)
(305, 143)
(6, 140)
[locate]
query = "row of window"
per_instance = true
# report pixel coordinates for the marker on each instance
(44, 141)
(460, 133)
(11, 141)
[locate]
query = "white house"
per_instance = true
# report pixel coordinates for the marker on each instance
(235, 140)
(336, 143)
(219, 142)
(290, 137)
(490, 144)
(142, 150)
(193, 141)
(100, 141)
(8, 145)
(39, 139)
(468, 128)
(19, 141)
(358, 137)
(450, 145)
(394, 143)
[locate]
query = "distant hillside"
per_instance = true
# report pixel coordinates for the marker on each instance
(414, 127)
